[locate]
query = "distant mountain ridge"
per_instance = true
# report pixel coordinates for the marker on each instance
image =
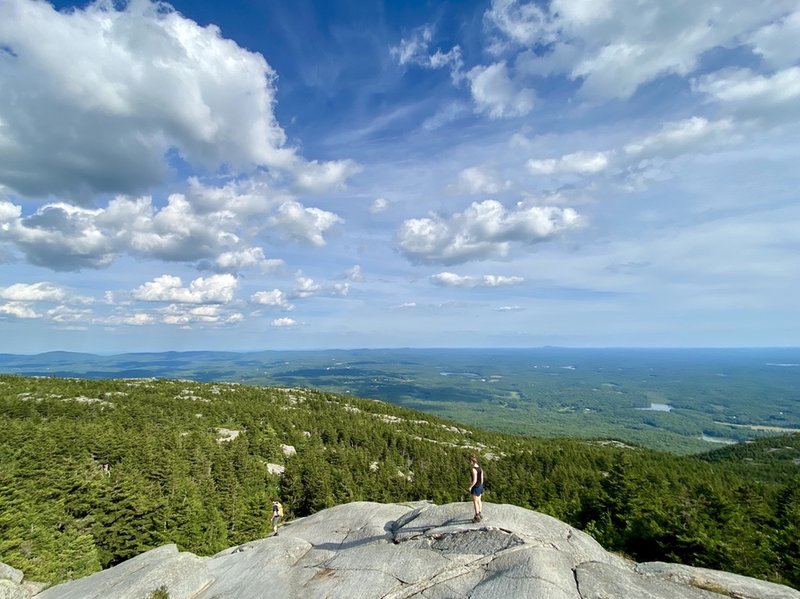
(683, 401)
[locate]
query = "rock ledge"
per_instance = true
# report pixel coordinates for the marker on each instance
(394, 551)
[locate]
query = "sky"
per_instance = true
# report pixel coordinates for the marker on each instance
(262, 174)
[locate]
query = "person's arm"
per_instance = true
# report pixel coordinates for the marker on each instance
(474, 480)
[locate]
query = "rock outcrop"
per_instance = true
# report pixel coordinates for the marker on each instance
(421, 550)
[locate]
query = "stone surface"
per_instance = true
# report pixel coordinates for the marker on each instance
(183, 574)
(396, 551)
(735, 585)
(12, 590)
(10, 573)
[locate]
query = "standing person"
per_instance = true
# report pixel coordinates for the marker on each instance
(476, 487)
(277, 515)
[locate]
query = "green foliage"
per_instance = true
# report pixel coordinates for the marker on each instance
(159, 593)
(96, 472)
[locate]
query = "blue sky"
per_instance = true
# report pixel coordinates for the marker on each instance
(249, 175)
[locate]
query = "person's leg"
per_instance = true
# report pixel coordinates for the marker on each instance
(475, 505)
(479, 505)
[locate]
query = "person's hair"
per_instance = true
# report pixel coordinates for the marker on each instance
(473, 458)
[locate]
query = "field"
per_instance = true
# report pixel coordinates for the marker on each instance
(679, 400)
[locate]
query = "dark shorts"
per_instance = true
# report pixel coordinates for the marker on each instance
(477, 490)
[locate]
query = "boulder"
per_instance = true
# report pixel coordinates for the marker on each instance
(395, 551)
(10, 573)
(183, 575)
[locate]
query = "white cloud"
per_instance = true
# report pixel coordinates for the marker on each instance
(509, 309)
(305, 287)
(679, 137)
(378, 206)
(475, 180)
(284, 322)
(275, 298)
(496, 94)
(112, 90)
(294, 221)
(34, 292)
(185, 316)
(415, 50)
(354, 274)
(411, 49)
(129, 319)
(212, 226)
(449, 279)
(773, 97)
(18, 310)
(8, 213)
(614, 46)
(246, 258)
(577, 162)
(216, 289)
(68, 314)
(777, 42)
(485, 230)
(341, 289)
(405, 306)
(61, 237)
(317, 176)
(451, 111)
(522, 23)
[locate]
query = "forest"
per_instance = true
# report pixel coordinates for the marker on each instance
(97, 471)
(678, 400)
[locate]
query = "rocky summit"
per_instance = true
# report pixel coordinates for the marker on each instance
(421, 550)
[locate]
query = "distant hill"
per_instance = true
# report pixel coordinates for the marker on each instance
(98, 471)
(682, 401)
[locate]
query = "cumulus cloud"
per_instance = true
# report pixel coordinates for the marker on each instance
(777, 42)
(114, 88)
(684, 136)
(275, 298)
(60, 236)
(216, 289)
(111, 89)
(405, 306)
(8, 213)
(18, 310)
(33, 292)
(129, 319)
(577, 162)
(69, 314)
(294, 221)
(354, 274)
(772, 97)
(185, 316)
(614, 46)
(521, 23)
(305, 287)
(485, 230)
(474, 180)
(415, 50)
(212, 226)
(245, 258)
(449, 279)
(317, 176)
(496, 94)
(284, 322)
(378, 206)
